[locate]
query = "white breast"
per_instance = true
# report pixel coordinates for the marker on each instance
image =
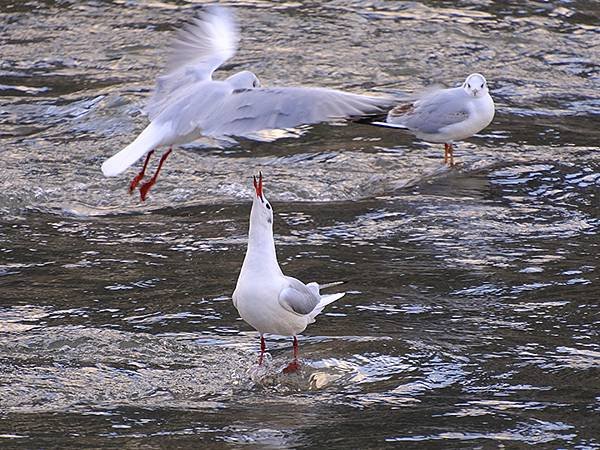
(258, 304)
(481, 113)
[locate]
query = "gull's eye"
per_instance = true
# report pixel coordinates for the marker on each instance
(268, 206)
(482, 85)
(469, 85)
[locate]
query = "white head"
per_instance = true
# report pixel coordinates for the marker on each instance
(243, 80)
(261, 215)
(475, 85)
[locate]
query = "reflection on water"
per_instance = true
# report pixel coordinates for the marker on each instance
(471, 310)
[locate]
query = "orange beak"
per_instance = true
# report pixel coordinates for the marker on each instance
(258, 187)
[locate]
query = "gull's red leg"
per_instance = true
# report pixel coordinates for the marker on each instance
(148, 184)
(141, 174)
(296, 348)
(294, 365)
(263, 349)
(451, 153)
(446, 153)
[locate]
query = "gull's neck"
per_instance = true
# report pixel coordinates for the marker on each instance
(261, 257)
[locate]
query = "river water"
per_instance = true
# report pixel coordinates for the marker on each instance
(471, 317)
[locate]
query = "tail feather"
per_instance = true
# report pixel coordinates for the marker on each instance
(328, 285)
(325, 300)
(329, 298)
(148, 139)
(389, 125)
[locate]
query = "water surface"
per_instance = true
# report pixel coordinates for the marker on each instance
(471, 315)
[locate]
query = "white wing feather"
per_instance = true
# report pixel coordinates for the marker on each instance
(199, 49)
(216, 111)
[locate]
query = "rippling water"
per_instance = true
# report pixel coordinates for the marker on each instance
(472, 311)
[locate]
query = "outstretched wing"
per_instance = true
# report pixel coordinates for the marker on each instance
(198, 50)
(298, 298)
(432, 112)
(206, 42)
(249, 110)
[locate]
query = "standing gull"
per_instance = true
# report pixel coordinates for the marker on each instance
(187, 103)
(267, 299)
(446, 115)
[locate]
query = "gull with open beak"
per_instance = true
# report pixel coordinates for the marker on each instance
(265, 298)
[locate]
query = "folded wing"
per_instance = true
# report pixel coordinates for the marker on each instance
(432, 112)
(298, 298)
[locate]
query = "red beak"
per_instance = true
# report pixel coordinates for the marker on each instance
(258, 186)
